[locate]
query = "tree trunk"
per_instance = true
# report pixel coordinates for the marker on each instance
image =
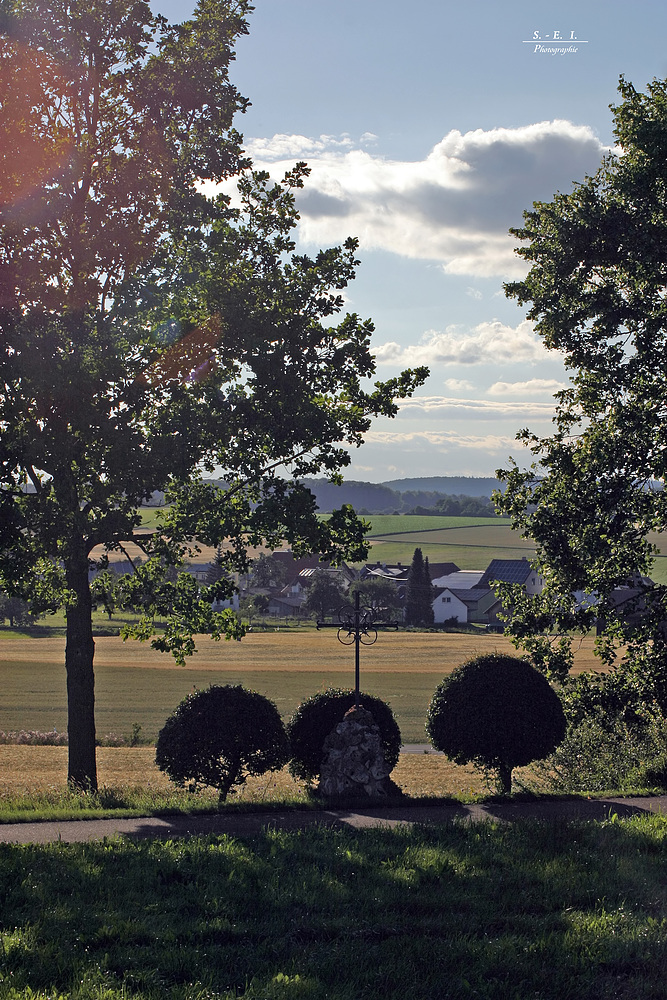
(504, 779)
(79, 653)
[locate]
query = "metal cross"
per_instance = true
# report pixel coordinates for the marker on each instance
(356, 626)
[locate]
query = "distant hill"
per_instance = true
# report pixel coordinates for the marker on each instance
(375, 498)
(388, 498)
(470, 486)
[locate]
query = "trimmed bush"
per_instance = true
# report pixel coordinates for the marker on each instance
(496, 712)
(316, 718)
(219, 736)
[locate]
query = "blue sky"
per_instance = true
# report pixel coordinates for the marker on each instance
(428, 129)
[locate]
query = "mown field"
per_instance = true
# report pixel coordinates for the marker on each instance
(470, 542)
(136, 685)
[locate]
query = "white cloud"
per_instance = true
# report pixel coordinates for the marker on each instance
(442, 440)
(458, 384)
(533, 387)
(486, 343)
(474, 293)
(477, 409)
(281, 147)
(455, 206)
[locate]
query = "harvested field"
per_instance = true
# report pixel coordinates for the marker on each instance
(28, 770)
(412, 652)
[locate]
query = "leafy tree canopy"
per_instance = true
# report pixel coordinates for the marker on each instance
(380, 594)
(149, 332)
(596, 291)
(221, 735)
(497, 712)
(325, 595)
(318, 716)
(268, 571)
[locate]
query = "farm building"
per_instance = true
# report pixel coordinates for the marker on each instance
(476, 605)
(512, 571)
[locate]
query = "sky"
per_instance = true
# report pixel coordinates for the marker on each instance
(429, 128)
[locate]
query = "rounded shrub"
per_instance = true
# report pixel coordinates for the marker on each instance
(496, 712)
(316, 718)
(219, 736)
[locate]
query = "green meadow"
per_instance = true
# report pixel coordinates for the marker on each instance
(135, 685)
(469, 542)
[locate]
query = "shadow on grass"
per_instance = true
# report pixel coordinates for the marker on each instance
(186, 815)
(497, 911)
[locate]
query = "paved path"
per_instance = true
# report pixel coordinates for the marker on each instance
(247, 824)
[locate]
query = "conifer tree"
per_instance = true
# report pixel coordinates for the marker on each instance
(419, 592)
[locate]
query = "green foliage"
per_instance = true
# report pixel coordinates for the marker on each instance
(16, 611)
(603, 752)
(219, 736)
(496, 712)
(253, 605)
(543, 627)
(325, 595)
(268, 571)
(616, 728)
(380, 594)
(596, 293)
(464, 506)
(316, 717)
(419, 592)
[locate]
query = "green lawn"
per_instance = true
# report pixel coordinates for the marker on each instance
(531, 911)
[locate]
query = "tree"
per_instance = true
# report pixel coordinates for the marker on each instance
(253, 605)
(596, 292)
(16, 611)
(268, 571)
(380, 594)
(219, 736)
(497, 712)
(149, 331)
(419, 592)
(216, 568)
(325, 594)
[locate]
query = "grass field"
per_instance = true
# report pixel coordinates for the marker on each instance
(471, 543)
(136, 685)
